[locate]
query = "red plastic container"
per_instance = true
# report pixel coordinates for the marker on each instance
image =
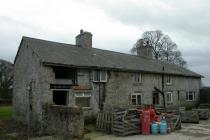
(145, 122)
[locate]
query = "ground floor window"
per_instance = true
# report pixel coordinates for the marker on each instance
(82, 99)
(190, 96)
(60, 97)
(155, 98)
(136, 98)
(169, 97)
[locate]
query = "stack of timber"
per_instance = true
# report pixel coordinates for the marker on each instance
(174, 121)
(103, 122)
(125, 121)
(203, 113)
(190, 116)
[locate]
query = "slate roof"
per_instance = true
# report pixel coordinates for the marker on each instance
(65, 54)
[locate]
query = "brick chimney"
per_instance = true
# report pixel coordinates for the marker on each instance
(84, 39)
(144, 50)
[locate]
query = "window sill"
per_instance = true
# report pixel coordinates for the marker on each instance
(190, 100)
(99, 81)
(169, 103)
(86, 108)
(137, 84)
(168, 84)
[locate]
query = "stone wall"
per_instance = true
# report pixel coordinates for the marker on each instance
(63, 120)
(27, 86)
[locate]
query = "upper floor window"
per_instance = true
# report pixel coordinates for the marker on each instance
(99, 76)
(64, 72)
(190, 96)
(169, 97)
(138, 77)
(136, 98)
(168, 80)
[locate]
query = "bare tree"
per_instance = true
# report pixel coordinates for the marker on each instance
(6, 81)
(164, 48)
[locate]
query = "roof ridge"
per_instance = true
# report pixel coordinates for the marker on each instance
(26, 37)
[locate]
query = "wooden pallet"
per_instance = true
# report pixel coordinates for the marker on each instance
(203, 113)
(103, 122)
(174, 121)
(190, 116)
(125, 122)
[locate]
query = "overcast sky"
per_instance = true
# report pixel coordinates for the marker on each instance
(115, 25)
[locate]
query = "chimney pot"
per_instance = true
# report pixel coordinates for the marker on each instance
(81, 31)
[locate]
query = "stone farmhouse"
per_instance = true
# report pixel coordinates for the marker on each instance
(95, 79)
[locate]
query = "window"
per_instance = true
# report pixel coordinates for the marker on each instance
(169, 97)
(190, 96)
(99, 76)
(60, 97)
(65, 72)
(136, 99)
(137, 77)
(82, 99)
(168, 80)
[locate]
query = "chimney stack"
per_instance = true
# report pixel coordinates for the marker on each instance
(84, 39)
(144, 50)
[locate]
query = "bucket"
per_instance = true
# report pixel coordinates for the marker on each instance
(163, 127)
(154, 128)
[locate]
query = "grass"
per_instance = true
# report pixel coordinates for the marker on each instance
(5, 112)
(91, 132)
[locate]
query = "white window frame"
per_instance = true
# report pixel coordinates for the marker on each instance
(168, 80)
(100, 79)
(136, 94)
(188, 94)
(139, 77)
(82, 95)
(170, 94)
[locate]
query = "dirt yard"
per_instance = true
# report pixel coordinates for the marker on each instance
(189, 131)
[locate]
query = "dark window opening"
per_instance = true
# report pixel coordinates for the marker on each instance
(155, 98)
(178, 96)
(65, 72)
(60, 97)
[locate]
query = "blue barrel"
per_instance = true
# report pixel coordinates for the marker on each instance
(163, 127)
(154, 128)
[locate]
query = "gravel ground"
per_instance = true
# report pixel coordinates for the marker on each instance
(189, 131)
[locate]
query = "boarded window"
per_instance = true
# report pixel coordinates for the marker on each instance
(82, 99)
(136, 98)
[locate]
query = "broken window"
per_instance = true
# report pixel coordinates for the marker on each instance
(190, 96)
(65, 73)
(137, 77)
(99, 76)
(82, 99)
(169, 97)
(60, 97)
(136, 98)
